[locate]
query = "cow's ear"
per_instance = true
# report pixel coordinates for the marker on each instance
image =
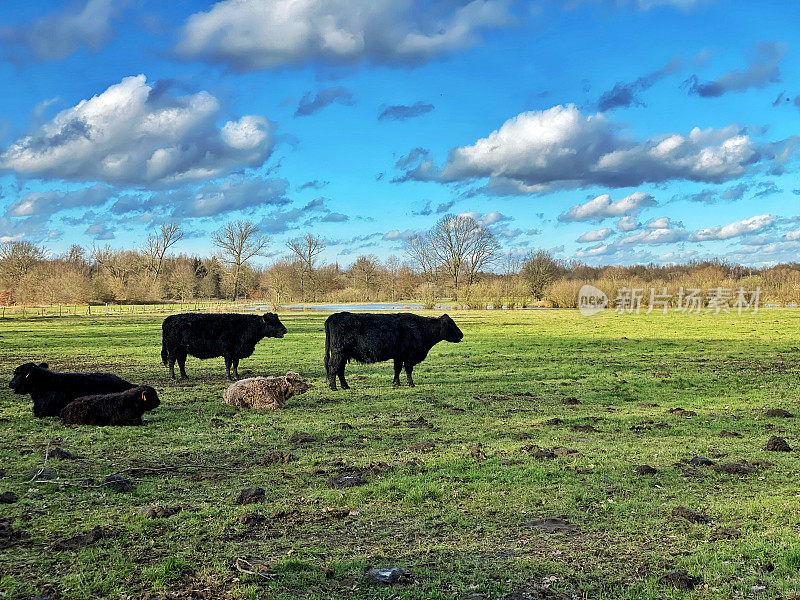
(44, 365)
(444, 317)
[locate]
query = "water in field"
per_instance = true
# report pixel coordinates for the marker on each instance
(338, 307)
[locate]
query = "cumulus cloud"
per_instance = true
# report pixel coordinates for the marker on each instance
(538, 151)
(311, 103)
(397, 235)
(661, 223)
(217, 198)
(625, 94)
(262, 34)
(130, 134)
(754, 224)
(401, 112)
(595, 235)
(603, 207)
(57, 35)
(45, 204)
(658, 235)
(627, 223)
(763, 69)
(316, 210)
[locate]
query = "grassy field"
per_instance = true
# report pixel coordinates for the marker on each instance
(456, 492)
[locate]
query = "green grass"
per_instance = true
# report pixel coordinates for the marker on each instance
(460, 524)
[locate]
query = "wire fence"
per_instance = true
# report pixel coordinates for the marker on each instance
(79, 310)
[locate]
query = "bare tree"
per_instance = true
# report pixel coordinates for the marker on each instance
(307, 250)
(539, 271)
(158, 244)
(420, 254)
(462, 247)
(366, 272)
(17, 259)
(239, 241)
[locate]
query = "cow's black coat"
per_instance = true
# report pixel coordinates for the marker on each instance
(120, 408)
(231, 336)
(51, 391)
(403, 337)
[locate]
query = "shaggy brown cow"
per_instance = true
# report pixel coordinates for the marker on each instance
(265, 392)
(120, 408)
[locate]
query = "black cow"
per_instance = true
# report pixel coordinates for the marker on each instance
(231, 336)
(52, 391)
(368, 338)
(119, 408)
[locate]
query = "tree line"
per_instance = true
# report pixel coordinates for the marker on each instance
(458, 260)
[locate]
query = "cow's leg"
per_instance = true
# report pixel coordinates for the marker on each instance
(398, 366)
(182, 364)
(236, 368)
(172, 366)
(342, 380)
(409, 367)
(333, 367)
(228, 363)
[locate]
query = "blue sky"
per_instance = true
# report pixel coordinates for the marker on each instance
(607, 131)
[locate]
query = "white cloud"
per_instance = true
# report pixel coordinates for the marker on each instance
(602, 207)
(129, 134)
(663, 235)
(396, 234)
(561, 148)
(737, 228)
(262, 34)
(627, 223)
(661, 223)
(595, 235)
(47, 203)
(792, 235)
(57, 35)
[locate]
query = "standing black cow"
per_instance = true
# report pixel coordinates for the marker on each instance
(368, 338)
(231, 336)
(51, 391)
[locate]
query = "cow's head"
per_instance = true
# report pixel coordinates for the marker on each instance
(297, 384)
(149, 397)
(449, 329)
(272, 325)
(23, 381)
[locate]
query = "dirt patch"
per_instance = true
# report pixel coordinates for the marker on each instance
(252, 518)
(346, 481)
(726, 533)
(94, 535)
(522, 435)
(729, 434)
(564, 451)
(646, 470)
(554, 421)
(777, 444)
(538, 453)
(8, 498)
(344, 426)
(42, 474)
(389, 576)
(301, 437)
(422, 446)
(60, 453)
(278, 456)
(584, 428)
(680, 579)
(681, 512)
(647, 404)
(570, 401)
(9, 535)
(778, 412)
(701, 461)
(118, 483)
(536, 592)
(250, 496)
(159, 512)
(419, 422)
(558, 524)
(681, 412)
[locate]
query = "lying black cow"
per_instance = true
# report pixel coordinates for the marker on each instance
(52, 391)
(231, 336)
(119, 408)
(369, 338)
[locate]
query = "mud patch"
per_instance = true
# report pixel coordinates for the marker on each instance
(701, 461)
(61, 454)
(346, 481)
(646, 470)
(647, 404)
(419, 422)
(554, 421)
(159, 512)
(570, 401)
(422, 446)
(301, 437)
(388, 576)
(94, 535)
(584, 428)
(536, 592)
(777, 444)
(42, 474)
(681, 580)
(9, 535)
(250, 496)
(681, 512)
(736, 469)
(681, 412)
(118, 483)
(726, 533)
(558, 524)
(278, 456)
(729, 434)
(8, 498)
(778, 412)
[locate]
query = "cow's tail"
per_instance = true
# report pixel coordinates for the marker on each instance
(327, 346)
(164, 353)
